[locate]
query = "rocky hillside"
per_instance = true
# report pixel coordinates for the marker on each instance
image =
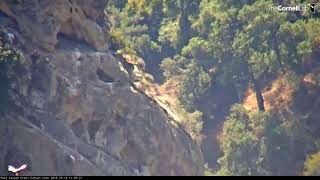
(75, 110)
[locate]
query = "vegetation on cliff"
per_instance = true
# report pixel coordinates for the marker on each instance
(9, 58)
(268, 58)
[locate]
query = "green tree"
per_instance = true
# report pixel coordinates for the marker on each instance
(173, 68)
(261, 143)
(312, 165)
(240, 146)
(194, 83)
(199, 49)
(185, 7)
(246, 41)
(214, 29)
(136, 26)
(298, 39)
(169, 33)
(256, 42)
(181, 10)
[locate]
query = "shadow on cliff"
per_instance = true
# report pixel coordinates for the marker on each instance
(69, 43)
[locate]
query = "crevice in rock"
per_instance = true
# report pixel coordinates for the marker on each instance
(7, 21)
(132, 155)
(78, 127)
(34, 121)
(104, 76)
(5, 9)
(3, 15)
(40, 77)
(69, 42)
(120, 120)
(93, 127)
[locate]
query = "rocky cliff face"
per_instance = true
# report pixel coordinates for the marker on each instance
(76, 112)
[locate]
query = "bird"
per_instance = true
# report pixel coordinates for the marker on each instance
(16, 171)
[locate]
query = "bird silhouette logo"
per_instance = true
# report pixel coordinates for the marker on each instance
(17, 171)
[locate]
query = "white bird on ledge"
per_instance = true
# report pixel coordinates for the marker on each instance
(16, 171)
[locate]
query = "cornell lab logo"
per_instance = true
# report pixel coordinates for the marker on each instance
(313, 7)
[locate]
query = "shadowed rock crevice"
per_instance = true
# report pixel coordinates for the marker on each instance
(93, 128)
(104, 76)
(3, 15)
(34, 121)
(78, 127)
(41, 77)
(70, 42)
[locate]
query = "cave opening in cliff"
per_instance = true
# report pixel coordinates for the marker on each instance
(69, 42)
(104, 76)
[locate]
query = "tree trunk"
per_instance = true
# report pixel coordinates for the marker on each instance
(259, 96)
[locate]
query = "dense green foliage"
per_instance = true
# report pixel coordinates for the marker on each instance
(312, 165)
(193, 85)
(229, 43)
(260, 144)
